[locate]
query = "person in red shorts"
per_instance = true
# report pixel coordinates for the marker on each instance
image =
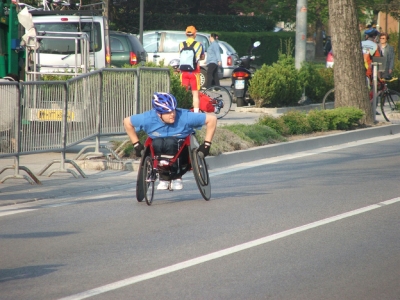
(190, 75)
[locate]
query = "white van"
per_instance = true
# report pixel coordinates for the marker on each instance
(58, 54)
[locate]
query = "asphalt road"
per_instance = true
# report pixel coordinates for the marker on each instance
(314, 225)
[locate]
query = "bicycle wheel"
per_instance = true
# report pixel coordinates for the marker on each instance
(201, 176)
(329, 99)
(149, 178)
(390, 106)
(221, 99)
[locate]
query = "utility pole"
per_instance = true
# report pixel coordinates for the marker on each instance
(141, 21)
(105, 9)
(301, 32)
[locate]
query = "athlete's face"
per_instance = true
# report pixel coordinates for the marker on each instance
(168, 118)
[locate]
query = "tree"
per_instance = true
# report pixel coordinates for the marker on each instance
(350, 84)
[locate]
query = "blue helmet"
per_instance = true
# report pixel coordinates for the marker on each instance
(163, 102)
(371, 32)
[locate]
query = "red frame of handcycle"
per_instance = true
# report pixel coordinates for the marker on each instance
(156, 159)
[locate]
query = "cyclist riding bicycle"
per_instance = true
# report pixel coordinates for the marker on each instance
(168, 126)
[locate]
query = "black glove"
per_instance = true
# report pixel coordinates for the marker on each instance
(138, 149)
(204, 149)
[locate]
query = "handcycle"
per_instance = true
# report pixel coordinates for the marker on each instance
(151, 165)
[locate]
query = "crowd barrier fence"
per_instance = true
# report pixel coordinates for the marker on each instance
(52, 116)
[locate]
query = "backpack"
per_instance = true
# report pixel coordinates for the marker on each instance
(188, 58)
(369, 49)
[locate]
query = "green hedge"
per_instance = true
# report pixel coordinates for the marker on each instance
(271, 42)
(129, 22)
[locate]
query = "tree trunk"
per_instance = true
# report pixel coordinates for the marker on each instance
(319, 41)
(349, 75)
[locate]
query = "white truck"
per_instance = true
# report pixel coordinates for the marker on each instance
(65, 41)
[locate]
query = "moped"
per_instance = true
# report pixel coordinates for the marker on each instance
(241, 76)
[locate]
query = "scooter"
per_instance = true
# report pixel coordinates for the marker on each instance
(241, 76)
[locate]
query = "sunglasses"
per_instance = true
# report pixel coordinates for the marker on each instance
(382, 38)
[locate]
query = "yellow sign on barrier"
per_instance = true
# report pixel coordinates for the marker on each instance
(54, 115)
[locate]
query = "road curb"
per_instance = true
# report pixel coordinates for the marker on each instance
(284, 148)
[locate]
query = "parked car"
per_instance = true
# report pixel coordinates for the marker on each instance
(329, 59)
(228, 56)
(126, 49)
(164, 45)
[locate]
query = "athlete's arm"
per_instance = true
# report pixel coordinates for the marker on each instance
(130, 130)
(211, 125)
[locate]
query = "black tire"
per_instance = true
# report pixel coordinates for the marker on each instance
(203, 76)
(240, 101)
(328, 98)
(220, 95)
(148, 180)
(390, 106)
(200, 173)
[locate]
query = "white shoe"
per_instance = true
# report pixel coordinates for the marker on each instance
(163, 185)
(177, 184)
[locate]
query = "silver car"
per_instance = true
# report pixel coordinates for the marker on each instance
(163, 45)
(228, 56)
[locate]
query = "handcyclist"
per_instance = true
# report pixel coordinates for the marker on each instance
(168, 126)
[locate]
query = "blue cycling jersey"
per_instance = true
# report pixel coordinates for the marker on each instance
(185, 122)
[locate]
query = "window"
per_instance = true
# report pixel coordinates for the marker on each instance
(151, 42)
(67, 46)
(116, 45)
(172, 40)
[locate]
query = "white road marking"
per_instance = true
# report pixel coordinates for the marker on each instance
(98, 196)
(224, 252)
(15, 211)
(24, 207)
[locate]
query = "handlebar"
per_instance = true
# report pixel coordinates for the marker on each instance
(389, 79)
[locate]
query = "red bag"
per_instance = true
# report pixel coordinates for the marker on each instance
(205, 103)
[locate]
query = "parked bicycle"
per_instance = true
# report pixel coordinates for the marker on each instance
(390, 102)
(59, 5)
(215, 99)
(388, 99)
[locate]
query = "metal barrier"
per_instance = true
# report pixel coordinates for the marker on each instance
(52, 116)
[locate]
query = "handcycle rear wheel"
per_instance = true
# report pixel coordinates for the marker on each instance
(218, 94)
(148, 180)
(390, 106)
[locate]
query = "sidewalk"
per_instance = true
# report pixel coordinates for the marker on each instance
(14, 191)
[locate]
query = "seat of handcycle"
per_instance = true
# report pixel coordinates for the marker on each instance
(170, 166)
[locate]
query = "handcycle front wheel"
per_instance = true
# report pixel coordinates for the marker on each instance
(390, 106)
(219, 95)
(148, 180)
(200, 173)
